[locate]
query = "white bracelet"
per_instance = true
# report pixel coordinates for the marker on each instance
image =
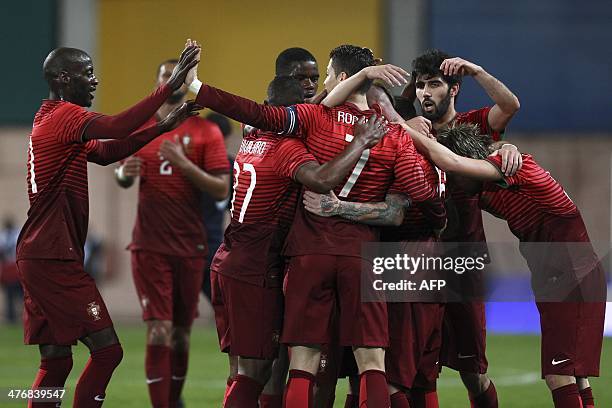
(195, 86)
(508, 144)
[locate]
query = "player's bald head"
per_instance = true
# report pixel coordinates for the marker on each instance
(63, 59)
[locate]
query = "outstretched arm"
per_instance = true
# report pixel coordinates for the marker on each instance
(390, 212)
(506, 103)
(123, 124)
(111, 151)
(322, 178)
(450, 162)
(392, 75)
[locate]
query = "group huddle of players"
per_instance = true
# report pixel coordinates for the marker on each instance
(316, 175)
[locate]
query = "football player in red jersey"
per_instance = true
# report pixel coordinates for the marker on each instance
(247, 270)
(62, 303)
(538, 211)
(436, 83)
(414, 328)
(325, 252)
(169, 240)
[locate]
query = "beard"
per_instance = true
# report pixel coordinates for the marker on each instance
(176, 96)
(439, 109)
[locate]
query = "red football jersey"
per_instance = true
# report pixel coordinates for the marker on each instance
(422, 219)
(464, 216)
(527, 201)
(169, 219)
(392, 161)
(327, 131)
(263, 206)
(58, 217)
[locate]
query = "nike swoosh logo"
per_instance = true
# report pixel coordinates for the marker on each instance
(555, 362)
(154, 380)
(462, 356)
(99, 398)
(175, 378)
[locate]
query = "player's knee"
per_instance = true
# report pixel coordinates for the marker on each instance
(557, 381)
(159, 332)
(52, 351)
(370, 358)
(109, 357)
(101, 339)
(305, 358)
(476, 383)
(259, 370)
(583, 382)
(180, 339)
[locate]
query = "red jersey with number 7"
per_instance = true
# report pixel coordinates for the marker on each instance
(169, 219)
(326, 132)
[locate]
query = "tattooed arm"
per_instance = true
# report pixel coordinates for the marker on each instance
(390, 212)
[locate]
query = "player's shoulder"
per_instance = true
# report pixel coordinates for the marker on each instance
(311, 109)
(473, 115)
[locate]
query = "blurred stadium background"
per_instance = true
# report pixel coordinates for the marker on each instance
(551, 54)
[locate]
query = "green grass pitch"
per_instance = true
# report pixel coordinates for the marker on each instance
(514, 367)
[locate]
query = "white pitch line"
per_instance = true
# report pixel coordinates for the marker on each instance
(502, 380)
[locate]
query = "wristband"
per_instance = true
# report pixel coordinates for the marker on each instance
(508, 144)
(195, 86)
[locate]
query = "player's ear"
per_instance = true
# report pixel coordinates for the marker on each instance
(64, 77)
(342, 76)
(454, 90)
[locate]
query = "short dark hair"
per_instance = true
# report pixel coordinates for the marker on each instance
(168, 61)
(466, 140)
(428, 64)
(221, 121)
(352, 59)
(287, 58)
(285, 91)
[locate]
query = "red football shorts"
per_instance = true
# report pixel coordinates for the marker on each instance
(249, 317)
(572, 336)
(464, 337)
(314, 284)
(168, 287)
(61, 302)
(415, 338)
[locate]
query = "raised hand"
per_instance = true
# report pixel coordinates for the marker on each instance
(178, 115)
(188, 60)
(370, 132)
(459, 66)
(324, 205)
(390, 74)
(193, 72)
